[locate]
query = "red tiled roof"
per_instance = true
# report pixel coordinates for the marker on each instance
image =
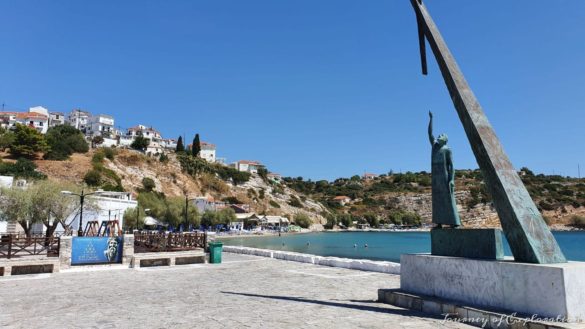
(249, 162)
(341, 197)
(30, 115)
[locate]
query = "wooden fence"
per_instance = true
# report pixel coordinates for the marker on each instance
(18, 245)
(157, 242)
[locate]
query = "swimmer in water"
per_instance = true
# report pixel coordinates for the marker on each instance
(366, 245)
(355, 245)
(308, 243)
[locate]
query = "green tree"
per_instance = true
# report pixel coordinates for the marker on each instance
(27, 142)
(64, 140)
(331, 221)
(196, 148)
(140, 143)
(346, 220)
(6, 138)
(22, 168)
(372, 219)
(302, 220)
(41, 202)
(180, 147)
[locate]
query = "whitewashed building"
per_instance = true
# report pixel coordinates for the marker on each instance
(144, 131)
(101, 125)
(56, 119)
(35, 120)
(7, 119)
(103, 207)
(207, 152)
(248, 166)
(79, 119)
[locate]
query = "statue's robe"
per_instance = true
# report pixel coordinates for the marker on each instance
(444, 206)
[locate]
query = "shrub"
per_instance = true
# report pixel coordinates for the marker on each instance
(93, 178)
(140, 143)
(163, 158)
(578, 221)
(274, 204)
(98, 157)
(109, 153)
(302, 220)
(148, 184)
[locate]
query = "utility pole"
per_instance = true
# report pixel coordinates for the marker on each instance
(578, 171)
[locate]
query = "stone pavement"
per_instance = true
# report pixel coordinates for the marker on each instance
(243, 292)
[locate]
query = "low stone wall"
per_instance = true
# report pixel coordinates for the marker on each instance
(354, 264)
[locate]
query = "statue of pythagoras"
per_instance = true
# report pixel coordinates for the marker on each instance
(443, 179)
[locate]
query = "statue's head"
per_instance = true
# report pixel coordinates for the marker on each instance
(442, 139)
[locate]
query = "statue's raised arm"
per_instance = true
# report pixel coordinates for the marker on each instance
(431, 137)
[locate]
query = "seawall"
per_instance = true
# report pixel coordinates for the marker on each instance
(353, 264)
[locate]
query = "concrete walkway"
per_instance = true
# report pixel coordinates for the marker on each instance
(243, 292)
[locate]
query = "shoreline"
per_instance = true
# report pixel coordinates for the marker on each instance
(266, 234)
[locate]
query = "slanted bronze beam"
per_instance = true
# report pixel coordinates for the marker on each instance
(529, 237)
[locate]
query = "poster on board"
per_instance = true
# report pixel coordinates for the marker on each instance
(96, 250)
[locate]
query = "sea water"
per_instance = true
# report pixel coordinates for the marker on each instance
(379, 245)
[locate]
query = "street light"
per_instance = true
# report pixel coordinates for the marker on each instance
(187, 207)
(81, 200)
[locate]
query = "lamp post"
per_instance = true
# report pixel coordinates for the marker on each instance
(187, 208)
(81, 200)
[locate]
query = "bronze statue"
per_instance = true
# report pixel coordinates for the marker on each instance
(443, 179)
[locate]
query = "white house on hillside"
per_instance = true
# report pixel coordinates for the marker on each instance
(108, 206)
(146, 132)
(207, 152)
(56, 119)
(34, 119)
(248, 166)
(101, 125)
(79, 119)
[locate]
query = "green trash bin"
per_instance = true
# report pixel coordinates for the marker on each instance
(215, 252)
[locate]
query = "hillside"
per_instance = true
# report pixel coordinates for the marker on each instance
(131, 167)
(388, 197)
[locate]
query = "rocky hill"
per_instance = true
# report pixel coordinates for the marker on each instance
(388, 198)
(131, 167)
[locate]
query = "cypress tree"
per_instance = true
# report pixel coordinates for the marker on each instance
(180, 147)
(196, 148)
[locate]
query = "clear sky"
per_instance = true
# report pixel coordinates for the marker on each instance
(319, 89)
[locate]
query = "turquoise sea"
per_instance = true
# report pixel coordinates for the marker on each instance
(380, 245)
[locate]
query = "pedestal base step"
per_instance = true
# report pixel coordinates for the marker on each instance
(455, 312)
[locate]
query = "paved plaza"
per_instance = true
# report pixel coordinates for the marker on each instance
(242, 292)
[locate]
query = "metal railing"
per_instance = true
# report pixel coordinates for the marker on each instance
(17, 245)
(157, 242)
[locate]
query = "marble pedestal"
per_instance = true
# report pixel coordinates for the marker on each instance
(551, 290)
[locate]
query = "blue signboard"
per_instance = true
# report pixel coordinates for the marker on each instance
(96, 250)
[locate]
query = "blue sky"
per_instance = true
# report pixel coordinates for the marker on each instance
(319, 89)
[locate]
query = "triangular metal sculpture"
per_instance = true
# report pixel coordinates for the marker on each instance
(529, 237)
